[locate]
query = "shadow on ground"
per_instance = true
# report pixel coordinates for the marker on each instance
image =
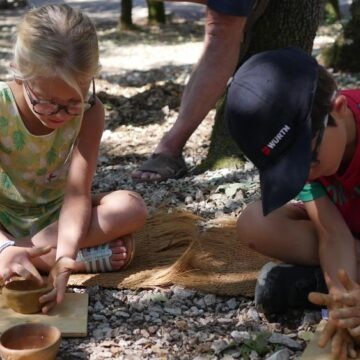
(170, 33)
(146, 107)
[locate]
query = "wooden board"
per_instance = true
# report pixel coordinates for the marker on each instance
(314, 352)
(70, 317)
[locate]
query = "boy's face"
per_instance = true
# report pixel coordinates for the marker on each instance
(328, 149)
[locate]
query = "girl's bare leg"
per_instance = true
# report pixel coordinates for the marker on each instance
(114, 215)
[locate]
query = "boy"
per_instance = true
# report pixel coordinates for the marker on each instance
(285, 113)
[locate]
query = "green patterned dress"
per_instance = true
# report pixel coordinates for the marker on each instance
(33, 170)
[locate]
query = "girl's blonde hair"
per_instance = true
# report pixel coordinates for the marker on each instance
(56, 41)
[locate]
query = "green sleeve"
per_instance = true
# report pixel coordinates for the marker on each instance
(311, 191)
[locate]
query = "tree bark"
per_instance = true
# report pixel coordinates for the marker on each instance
(284, 23)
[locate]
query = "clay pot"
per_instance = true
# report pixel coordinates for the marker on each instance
(30, 342)
(23, 295)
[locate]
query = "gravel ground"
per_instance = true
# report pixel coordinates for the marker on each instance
(141, 82)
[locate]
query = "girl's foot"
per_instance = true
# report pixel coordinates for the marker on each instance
(113, 256)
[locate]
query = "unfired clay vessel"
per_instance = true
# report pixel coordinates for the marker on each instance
(23, 295)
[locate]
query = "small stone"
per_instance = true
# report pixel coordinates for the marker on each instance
(210, 299)
(283, 354)
(284, 340)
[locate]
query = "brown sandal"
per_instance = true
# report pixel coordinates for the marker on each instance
(167, 166)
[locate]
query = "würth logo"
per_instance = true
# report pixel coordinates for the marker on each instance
(266, 150)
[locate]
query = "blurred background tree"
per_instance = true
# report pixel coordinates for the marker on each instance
(126, 22)
(332, 11)
(156, 14)
(11, 4)
(344, 53)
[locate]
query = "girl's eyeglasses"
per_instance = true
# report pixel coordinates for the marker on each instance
(45, 107)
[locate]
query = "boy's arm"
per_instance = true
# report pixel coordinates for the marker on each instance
(336, 251)
(336, 242)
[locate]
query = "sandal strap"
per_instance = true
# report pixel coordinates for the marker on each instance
(96, 258)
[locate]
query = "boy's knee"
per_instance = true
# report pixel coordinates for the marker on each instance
(246, 223)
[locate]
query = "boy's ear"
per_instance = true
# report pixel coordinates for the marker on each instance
(340, 104)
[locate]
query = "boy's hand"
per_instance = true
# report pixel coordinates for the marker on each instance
(344, 306)
(342, 344)
(348, 315)
(58, 278)
(16, 261)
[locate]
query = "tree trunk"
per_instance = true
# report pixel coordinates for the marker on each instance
(5, 4)
(284, 23)
(156, 12)
(126, 15)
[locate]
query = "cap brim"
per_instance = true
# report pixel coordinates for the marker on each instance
(282, 180)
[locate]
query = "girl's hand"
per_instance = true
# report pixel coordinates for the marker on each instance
(58, 278)
(16, 261)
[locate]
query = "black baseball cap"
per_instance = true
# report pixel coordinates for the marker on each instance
(268, 110)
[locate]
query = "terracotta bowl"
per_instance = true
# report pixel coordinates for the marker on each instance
(23, 295)
(30, 342)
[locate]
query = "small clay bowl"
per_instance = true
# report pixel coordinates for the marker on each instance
(23, 295)
(30, 342)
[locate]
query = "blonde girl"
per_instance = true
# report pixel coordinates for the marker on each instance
(50, 128)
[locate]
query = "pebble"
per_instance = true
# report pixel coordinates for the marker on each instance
(283, 354)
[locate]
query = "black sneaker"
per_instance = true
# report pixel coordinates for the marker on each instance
(281, 287)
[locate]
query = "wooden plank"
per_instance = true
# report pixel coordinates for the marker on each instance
(314, 352)
(70, 317)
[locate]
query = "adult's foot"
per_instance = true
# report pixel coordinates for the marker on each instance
(160, 167)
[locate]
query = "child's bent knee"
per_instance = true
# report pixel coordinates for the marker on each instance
(138, 207)
(247, 224)
(248, 215)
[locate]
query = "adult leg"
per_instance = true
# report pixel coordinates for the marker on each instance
(114, 215)
(223, 37)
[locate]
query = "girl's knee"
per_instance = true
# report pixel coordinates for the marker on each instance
(134, 204)
(139, 206)
(130, 204)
